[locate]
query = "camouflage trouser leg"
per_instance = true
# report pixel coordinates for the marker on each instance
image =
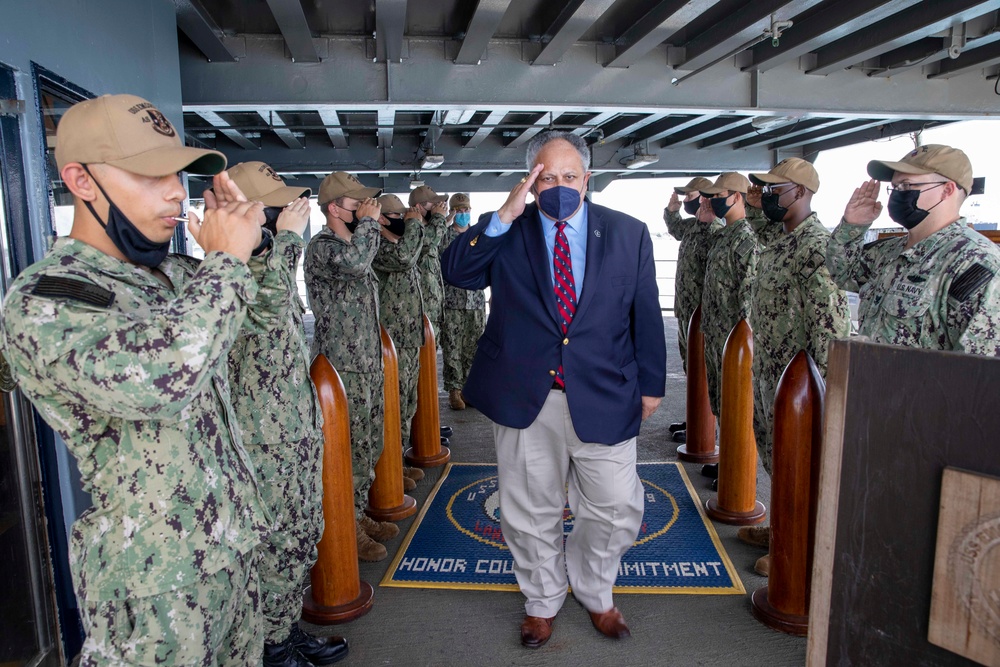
(713, 372)
(409, 372)
(683, 320)
(763, 418)
(291, 484)
(432, 309)
(461, 331)
(366, 406)
(215, 622)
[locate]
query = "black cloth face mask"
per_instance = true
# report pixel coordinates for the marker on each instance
(720, 207)
(396, 226)
(271, 214)
(903, 207)
(126, 236)
(353, 224)
(691, 207)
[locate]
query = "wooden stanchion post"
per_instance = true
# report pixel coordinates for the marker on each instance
(425, 435)
(386, 500)
(737, 502)
(700, 442)
(337, 594)
(798, 434)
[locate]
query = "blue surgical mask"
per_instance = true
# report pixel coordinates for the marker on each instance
(463, 219)
(559, 202)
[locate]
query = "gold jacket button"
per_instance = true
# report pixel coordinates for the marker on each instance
(552, 373)
(565, 341)
(473, 241)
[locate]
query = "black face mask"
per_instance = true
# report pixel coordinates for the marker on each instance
(127, 238)
(720, 207)
(903, 208)
(691, 207)
(271, 214)
(774, 211)
(396, 226)
(353, 224)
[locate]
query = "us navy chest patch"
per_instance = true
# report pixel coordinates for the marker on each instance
(59, 287)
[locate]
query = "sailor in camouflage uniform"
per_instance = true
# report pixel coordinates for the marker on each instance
(433, 208)
(936, 287)
(122, 349)
(400, 305)
(343, 291)
(795, 304)
(695, 234)
(729, 273)
(278, 412)
(464, 313)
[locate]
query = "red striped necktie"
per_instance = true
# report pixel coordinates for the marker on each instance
(565, 286)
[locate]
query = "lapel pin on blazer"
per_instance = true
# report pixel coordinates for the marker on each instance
(597, 233)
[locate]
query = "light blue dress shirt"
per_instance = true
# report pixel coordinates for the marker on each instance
(576, 234)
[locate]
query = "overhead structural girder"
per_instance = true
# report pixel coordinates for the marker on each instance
(390, 23)
(195, 22)
(294, 28)
(569, 26)
(657, 26)
(484, 23)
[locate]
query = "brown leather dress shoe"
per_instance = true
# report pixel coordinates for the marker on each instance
(610, 623)
(535, 631)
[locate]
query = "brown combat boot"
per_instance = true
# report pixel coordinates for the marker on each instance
(416, 474)
(408, 484)
(455, 400)
(380, 531)
(368, 549)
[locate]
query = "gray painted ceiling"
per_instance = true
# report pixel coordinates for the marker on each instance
(373, 86)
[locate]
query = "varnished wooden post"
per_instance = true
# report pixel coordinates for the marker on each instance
(386, 500)
(700, 442)
(737, 502)
(798, 434)
(337, 594)
(425, 435)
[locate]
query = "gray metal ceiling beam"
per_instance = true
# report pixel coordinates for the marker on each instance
(871, 134)
(851, 127)
(657, 26)
(195, 22)
(278, 126)
(623, 127)
(800, 127)
(682, 125)
(595, 122)
(484, 23)
(494, 119)
(386, 118)
(828, 24)
(294, 28)
(972, 60)
(331, 120)
(738, 28)
(390, 22)
(526, 135)
(918, 54)
(266, 79)
(898, 30)
(741, 133)
(574, 20)
(220, 124)
(704, 130)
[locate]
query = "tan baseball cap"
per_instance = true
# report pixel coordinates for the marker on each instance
(695, 184)
(728, 180)
(946, 161)
(130, 133)
(425, 194)
(341, 184)
(790, 170)
(391, 204)
(459, 200)
(261, 183)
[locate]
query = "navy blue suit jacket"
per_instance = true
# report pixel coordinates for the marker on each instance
(614, 351)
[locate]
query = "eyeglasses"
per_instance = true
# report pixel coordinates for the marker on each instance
(906, 187)
(774, 188)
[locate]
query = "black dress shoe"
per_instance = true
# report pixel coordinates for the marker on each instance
(678, 426)
(447, 431)
(445, 441)
(715, 484)
(318, 650)
(710, 470)
(283, 655)
(680, 436)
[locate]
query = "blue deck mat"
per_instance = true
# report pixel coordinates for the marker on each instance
(456, 541)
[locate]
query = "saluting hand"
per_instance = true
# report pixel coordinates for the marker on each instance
(413, 213)
(673, 205)
(705, 212)
(369, 208)
(518, 197)
(754, 194)
(295, 216)
(233, 228)
(864, 206)
(441, 208)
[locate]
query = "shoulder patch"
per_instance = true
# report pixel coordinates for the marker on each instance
(745, 247)
(59, 287)
(812, 264)
(970, 281)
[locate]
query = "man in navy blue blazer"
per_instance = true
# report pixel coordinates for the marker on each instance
(572, 360)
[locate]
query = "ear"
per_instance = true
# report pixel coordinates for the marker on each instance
(586, 182)
(78, 181)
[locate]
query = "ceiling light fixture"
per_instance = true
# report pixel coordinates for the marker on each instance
(432, 161)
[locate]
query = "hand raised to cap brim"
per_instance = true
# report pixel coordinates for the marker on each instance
(518, 197)
(295, 216)
(864, 207)
(673, 205)
(233, 228)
